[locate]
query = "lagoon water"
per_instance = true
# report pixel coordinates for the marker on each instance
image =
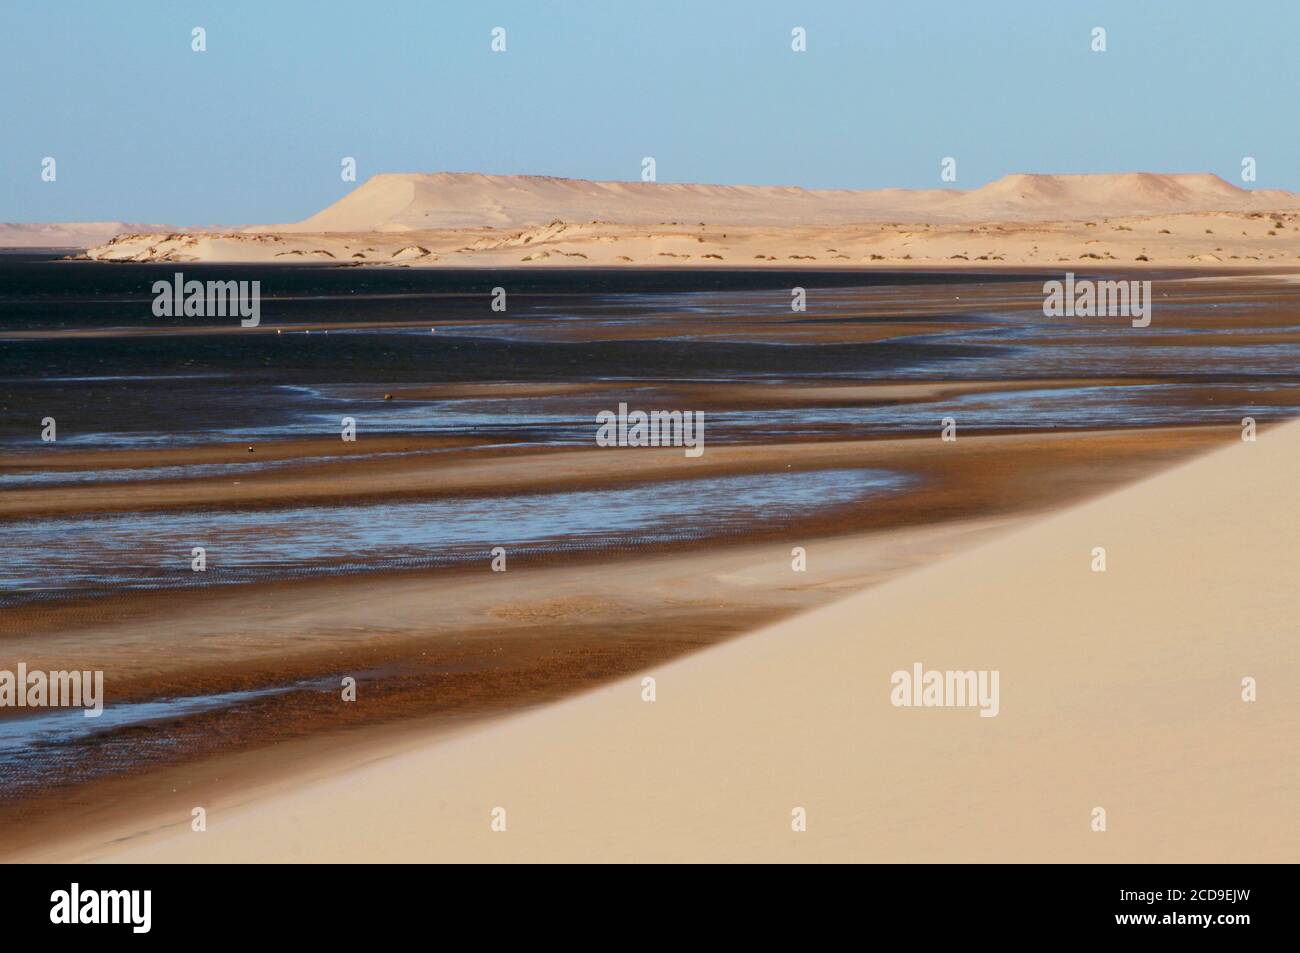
(78, 342)
(84, 555)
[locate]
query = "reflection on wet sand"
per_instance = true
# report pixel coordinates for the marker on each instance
(371, 559)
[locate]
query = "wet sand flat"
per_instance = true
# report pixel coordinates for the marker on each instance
(339, 559)
(438, 648)
(797, 717)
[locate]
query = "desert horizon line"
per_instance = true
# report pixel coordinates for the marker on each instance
(1136, 176)
(1116, 173)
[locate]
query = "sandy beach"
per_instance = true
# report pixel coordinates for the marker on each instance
(435, 647)
(1120, 690)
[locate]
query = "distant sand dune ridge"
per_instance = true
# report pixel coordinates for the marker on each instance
(460, 220)
(64, 234)
(412, 201)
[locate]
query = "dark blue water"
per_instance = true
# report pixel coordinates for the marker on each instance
(40, 558)
(640, 333)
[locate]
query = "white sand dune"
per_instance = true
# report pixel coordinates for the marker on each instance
(454, 220)
(1119, 690)
(404, 202)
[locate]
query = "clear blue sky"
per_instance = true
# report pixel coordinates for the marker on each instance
(144, 129)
